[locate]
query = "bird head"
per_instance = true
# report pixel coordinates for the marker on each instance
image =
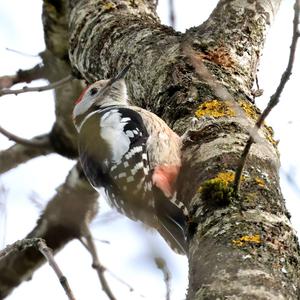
(99, 95)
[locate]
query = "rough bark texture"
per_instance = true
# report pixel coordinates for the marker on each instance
(240, 247)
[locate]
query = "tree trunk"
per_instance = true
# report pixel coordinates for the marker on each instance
(240, 247)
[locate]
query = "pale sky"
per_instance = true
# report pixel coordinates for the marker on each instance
(130, 250)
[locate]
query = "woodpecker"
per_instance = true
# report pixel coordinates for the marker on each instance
(131, 157)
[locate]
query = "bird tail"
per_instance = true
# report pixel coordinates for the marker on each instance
(172, 222)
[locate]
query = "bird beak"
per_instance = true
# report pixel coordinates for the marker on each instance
(119, 76)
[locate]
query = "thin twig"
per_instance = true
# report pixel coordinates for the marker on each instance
(172, 13)
(21, 53)
(27, 89)
(46, 251)
(161, 264)
(90, 246)
(18, 154)
(274, 100)
(258, 91)
(130, 287)
(102, 241)
(32, 143)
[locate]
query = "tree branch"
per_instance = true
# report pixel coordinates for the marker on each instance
(18, 154)
(18, 246)
(60, 222)
(274, 100)
(37, 72)
(163, 79)
(161, 265)
(39, 244)
(172, 17)
(46, 251)
(91, 247)
(26, 89)
(45, 143)
(232, 40)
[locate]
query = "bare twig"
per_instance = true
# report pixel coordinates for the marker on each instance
(90, 246)
(26, 89)
(37, 72)
(274, 100)
(46, 251)
(102, 241)
(131, 288)
(172, 13)
(258, 91)
(32, 143)
(161, 264)
(21, 53)
(18, 154)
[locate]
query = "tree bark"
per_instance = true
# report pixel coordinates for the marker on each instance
(240, 247)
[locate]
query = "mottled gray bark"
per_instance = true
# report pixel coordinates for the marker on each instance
(239, 247)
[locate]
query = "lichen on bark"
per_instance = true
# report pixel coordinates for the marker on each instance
(243, 247)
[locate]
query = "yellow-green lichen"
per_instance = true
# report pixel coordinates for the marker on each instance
(250, 197)
(215, 108)
(249, 109)
(218, 191)
(108, 6)
(227, 177)
(247, 239)
(270, 135)
(260, 182)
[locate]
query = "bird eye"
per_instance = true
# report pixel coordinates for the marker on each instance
(93, 91)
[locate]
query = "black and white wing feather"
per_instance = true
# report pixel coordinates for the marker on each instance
(115, 159)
